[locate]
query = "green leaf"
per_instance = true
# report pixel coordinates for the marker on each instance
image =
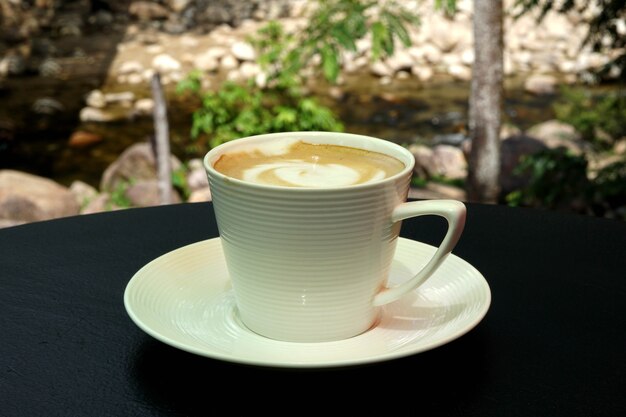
(397, 28)
(330, 63)
(379, 37)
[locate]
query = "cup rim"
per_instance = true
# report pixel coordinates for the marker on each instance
(408, 160)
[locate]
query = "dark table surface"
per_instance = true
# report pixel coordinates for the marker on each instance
(552, 344)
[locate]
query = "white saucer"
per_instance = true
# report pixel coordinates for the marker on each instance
(184, 299)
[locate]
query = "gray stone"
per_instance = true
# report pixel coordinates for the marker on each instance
(165, 63)
(178, 5)
(26, 197)
(147, 10)
(243, 51)
(200, 195)
(555, 134)
(102, 202)
(145, 193)
(197, 179)
(143, 107)
(96, 99)
(512, 150)
(400, 60)
(4, 223)
(92, 114)
(540, 84)
(249, 70)
(124, 96)
(460, 72)
(129, 67)
(424, 163)
(206, 62)
(229, 62)
(134, 164)
(381, 69)
(449, 162)
(83, 192)
(422, 72)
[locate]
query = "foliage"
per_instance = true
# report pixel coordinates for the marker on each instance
(279, 102)
(118, 196)
(179, 182)
(334, 26)
(236, 111)
(604, 26)
(590, 115)
(558, 180)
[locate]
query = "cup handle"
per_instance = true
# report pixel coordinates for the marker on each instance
(454, 212)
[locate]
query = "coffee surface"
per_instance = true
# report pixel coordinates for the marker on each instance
(307, 165)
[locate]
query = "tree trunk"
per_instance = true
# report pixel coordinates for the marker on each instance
(162, 142)
(486, 102)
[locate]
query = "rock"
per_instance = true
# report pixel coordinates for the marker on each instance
(453, 139)
(125, 96)
(512, 150)
(434, 191)
(178, 5)
(47, 106)
(144, 107)
(445, 33)
(96, 99)
(134, 79)
(50, 68)
(441, 160)
(91, 114)
(507, 130)
(555, 134)
(400, 60)
(100, 203)
(467, 57)
(424, 164)
(206, 62)
(243, 51)
(154, 49)
(4, 223)
(431, 53)
(249, 70)
(83, 193)
(165, 63)
(449, 162)
(136, 163)
(381, 69)
(26, 197)
(145, 193)
(147, 10)
(129, 67)
(423, 72)
(620, 146)
(82, 139)
(540, 84)
(197, 179)
(386, 80)
(216, 52)
(200, 195)
(460, 72)
(261, 80)
(195, 163)
(229, 62)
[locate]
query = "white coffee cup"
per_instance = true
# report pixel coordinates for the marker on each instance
(311, 264)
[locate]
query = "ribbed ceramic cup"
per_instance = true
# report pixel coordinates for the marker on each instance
(311, 264)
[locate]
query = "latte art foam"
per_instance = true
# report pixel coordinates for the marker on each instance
(308, 165)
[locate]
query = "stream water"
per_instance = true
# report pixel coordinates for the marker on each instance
(404, 112)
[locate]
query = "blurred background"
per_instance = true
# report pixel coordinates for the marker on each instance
(538, 97)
